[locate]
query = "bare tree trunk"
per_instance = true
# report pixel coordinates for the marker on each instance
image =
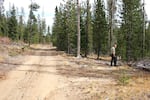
(78, 41)
(111, 30)
(143, 44)
(29, 37)
(112, 10)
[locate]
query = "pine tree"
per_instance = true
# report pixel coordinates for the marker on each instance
(26, 33)
(55, 28)
(89, 27)
(86, 29)
(84, 36)
(21, 26)
(64, 28)
(48, 35)
(33, 36)
(2, 19)
(59, 29)
(12, 24)
(132, 27)
(147, 41)
(40, 28)
(71, 24)
(99, 29)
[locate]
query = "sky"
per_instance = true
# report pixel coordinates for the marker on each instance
(48, 7)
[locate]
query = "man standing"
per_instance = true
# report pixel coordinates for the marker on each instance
(113, 55)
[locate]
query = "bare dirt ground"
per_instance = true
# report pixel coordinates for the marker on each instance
(42, 73)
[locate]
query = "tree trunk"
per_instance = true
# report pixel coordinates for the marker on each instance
(78, 41)
(143, 44)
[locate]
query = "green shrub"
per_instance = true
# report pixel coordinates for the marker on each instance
(124, 78)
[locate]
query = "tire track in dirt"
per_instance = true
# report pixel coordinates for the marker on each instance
(23, 85)
(33, 80)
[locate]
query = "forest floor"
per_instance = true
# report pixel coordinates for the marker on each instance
(42, 73)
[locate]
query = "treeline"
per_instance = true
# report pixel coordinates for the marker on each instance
(65, 28)
(14, 25)
(121, 21)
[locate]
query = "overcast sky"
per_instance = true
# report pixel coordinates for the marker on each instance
(48, 6)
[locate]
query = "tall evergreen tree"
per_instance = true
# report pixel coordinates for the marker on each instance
(12, 24)
(86, 29)
(100, 28)
(21, 25)
(32, 22)
(48, 35)
(132, 29)
(71, 26)
(59, 29)
(147, 41)
(84, 36)
(64, 27)
(2, 18)
(89, 27)
(55, 27)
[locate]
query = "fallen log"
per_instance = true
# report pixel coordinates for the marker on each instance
(142, 64)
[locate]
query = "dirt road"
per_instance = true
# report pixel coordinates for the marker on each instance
(33, 79)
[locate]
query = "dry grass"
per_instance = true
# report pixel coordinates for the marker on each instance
(91, 79)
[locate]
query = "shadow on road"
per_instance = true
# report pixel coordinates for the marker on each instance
(43, 52)
(40, 49)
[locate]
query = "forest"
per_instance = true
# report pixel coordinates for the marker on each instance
(101, 25)
(123, 22)
(13, 24)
